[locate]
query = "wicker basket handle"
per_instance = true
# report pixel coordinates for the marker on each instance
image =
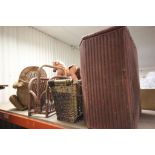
(49, 66)
(39, 75)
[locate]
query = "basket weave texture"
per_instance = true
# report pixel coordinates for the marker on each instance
(67, 99)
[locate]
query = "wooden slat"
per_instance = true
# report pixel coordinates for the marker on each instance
(27, 122)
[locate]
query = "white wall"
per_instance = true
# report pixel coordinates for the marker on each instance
(144, 38)
(25, 46)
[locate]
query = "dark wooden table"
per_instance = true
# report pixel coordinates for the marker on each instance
(3, 86)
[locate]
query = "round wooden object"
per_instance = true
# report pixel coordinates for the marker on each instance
(26, 75)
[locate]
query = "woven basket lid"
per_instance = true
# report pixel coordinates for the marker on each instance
(30, 72)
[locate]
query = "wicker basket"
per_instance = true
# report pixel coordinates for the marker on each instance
(110, 79)
(21, 100)
(41, 100)
(67, 99)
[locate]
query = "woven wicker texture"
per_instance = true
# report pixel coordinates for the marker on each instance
(21, 100)
(42, 104)
(67, 99)
(110, 81)
(41, 99)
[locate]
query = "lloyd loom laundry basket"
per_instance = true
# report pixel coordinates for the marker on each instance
(67, 99)
(110, 81)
